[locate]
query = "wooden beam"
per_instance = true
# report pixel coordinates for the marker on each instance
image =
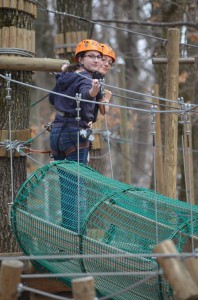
(184, 60)
(31, 64)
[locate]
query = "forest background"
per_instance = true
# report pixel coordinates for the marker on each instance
(137, 31)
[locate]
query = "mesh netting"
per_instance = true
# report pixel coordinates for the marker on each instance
(69, 208)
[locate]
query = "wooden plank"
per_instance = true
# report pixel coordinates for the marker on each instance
(13, 4)
(31, 8)
(13, 37)
(68, 41)
(0, 37)
(27, 6)
(5, 37)
(29, 40)
(19, 135)
(21, 5)
(20, 38)
(4, 135)
(25, 39)
(6, 4)
(61, 42)
(74, 40)
(33, 44)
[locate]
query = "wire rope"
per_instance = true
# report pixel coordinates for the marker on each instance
(22, 288)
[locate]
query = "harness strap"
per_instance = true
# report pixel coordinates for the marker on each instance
(71, 149)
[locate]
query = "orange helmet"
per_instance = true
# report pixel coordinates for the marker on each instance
(87, 45)
(107, 50)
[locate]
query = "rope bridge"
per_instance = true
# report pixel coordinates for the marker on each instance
(68, 208)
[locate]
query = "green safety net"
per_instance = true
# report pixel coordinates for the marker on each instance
(68, 208)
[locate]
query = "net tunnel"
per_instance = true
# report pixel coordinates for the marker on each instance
(69, 208)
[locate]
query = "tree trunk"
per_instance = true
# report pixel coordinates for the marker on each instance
(19, 110)
(72, 30)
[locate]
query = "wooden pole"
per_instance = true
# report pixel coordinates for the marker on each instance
(176, 272)
(124, 127)
(159, 151)
(171, 119)
(171, 132)
(9, 279)
(31, 64)
(83, 288)
(188, 159)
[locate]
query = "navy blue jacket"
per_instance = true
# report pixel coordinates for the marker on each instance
(69, 84)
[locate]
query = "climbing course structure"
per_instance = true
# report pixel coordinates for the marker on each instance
(68, 208)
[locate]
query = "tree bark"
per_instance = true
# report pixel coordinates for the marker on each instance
(19, 110)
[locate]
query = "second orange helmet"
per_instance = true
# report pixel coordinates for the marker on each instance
(107, 50)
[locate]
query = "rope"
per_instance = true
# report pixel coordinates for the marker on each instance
(109, 104)
(153, 107)
(17, 51)
(183, 255)
(22, 288)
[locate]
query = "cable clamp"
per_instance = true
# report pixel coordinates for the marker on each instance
(78, 109)
(8, 89)
(48, 126)
(102, 87)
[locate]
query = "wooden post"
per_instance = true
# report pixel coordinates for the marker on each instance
(171, 119)
(124, 127)
(176, 272)
(9, 279)
(192, 265)
(83, 288)
(188, 159)
(159, 151)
